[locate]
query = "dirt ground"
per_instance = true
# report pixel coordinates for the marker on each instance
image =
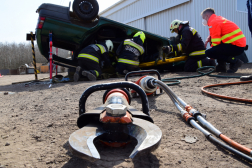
(36, 122)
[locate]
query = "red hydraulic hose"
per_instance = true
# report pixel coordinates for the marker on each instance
(227, 97)
(191, 111)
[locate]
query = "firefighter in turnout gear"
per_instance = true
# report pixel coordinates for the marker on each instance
(128, 53)
(191, 44)
(89, 58)
(227, 41)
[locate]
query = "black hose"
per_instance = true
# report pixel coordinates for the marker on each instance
(225, 146)
(105, 86)
(212, 69)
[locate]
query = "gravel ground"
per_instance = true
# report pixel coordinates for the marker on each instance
(36, 122)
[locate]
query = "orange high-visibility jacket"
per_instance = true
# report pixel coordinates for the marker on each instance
(225, 31)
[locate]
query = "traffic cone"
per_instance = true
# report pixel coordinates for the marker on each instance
(1, 75)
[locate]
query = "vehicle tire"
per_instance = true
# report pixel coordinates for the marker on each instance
(86, 10)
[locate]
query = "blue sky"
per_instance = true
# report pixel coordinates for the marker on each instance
(19, 17)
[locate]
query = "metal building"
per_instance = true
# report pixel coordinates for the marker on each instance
(156, 15)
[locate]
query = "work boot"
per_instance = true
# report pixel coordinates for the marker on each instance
(212, 62)
(77, 74)
(246, 78)
(233, 67)
(89, 75)
(221, 67)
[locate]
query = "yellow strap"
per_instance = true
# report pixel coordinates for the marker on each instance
(230, 34)
(179, 47)
(126, 61)
(171, 48)
(103, 50)
(97, 73)
(236, 38)
(140, 48)
(199, 63)
(194, 31)
(201, 52)
(89, 57)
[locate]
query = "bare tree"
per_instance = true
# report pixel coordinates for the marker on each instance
(13, 55)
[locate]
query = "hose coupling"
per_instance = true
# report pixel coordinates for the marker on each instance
(187, 116)
(192, 111)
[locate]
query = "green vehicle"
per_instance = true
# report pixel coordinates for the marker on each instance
(75, 30)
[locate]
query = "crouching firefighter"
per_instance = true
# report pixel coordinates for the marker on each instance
(128, 52)
(89, 58)
(191, 44)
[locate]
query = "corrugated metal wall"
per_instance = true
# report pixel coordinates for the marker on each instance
(138, 23)
(159, 23)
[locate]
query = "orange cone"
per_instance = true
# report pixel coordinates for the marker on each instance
(1, 75)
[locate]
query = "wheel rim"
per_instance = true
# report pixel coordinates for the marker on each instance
(86, 7)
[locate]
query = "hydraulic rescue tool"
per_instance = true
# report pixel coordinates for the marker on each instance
(114, 123)
(142, 82)
(191, 116)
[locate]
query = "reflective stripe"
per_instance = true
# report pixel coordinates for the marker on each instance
(201, 52)
(131, 43)
(126, 61)
(97, 73)
(171, 48)
(230, 34)
(103, 50)
(199, 63)
(179, 47)
(194, 31)
(214, 44)
(236, 38)
(216, 40)
(89, 57)
(176, 54)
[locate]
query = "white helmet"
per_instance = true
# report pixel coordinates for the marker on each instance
(109, 45)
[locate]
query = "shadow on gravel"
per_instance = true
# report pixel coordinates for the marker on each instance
(111, 157)
(44, 85)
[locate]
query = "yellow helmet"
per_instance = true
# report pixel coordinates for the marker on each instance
(175, 25)
(141, 34)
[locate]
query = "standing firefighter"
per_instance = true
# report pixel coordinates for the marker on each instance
(227, 41)
(89, 58)
(129, 51)
(191, 44)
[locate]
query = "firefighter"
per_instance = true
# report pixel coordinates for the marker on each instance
(227, 40)
(89, 58)
(128, 53)
(191, 44)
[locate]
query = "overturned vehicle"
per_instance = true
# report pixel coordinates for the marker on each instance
(74, 30)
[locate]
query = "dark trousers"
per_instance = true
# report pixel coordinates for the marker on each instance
(225, 52)
(192, 63)
(120, 67)
(90, 65)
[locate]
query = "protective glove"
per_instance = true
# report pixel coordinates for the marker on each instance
(166, 49)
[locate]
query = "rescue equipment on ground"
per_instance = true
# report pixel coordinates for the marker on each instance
(114, 123)
(142, 82)
(191, 116)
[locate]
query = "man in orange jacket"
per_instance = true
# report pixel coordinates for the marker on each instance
(227, 41)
